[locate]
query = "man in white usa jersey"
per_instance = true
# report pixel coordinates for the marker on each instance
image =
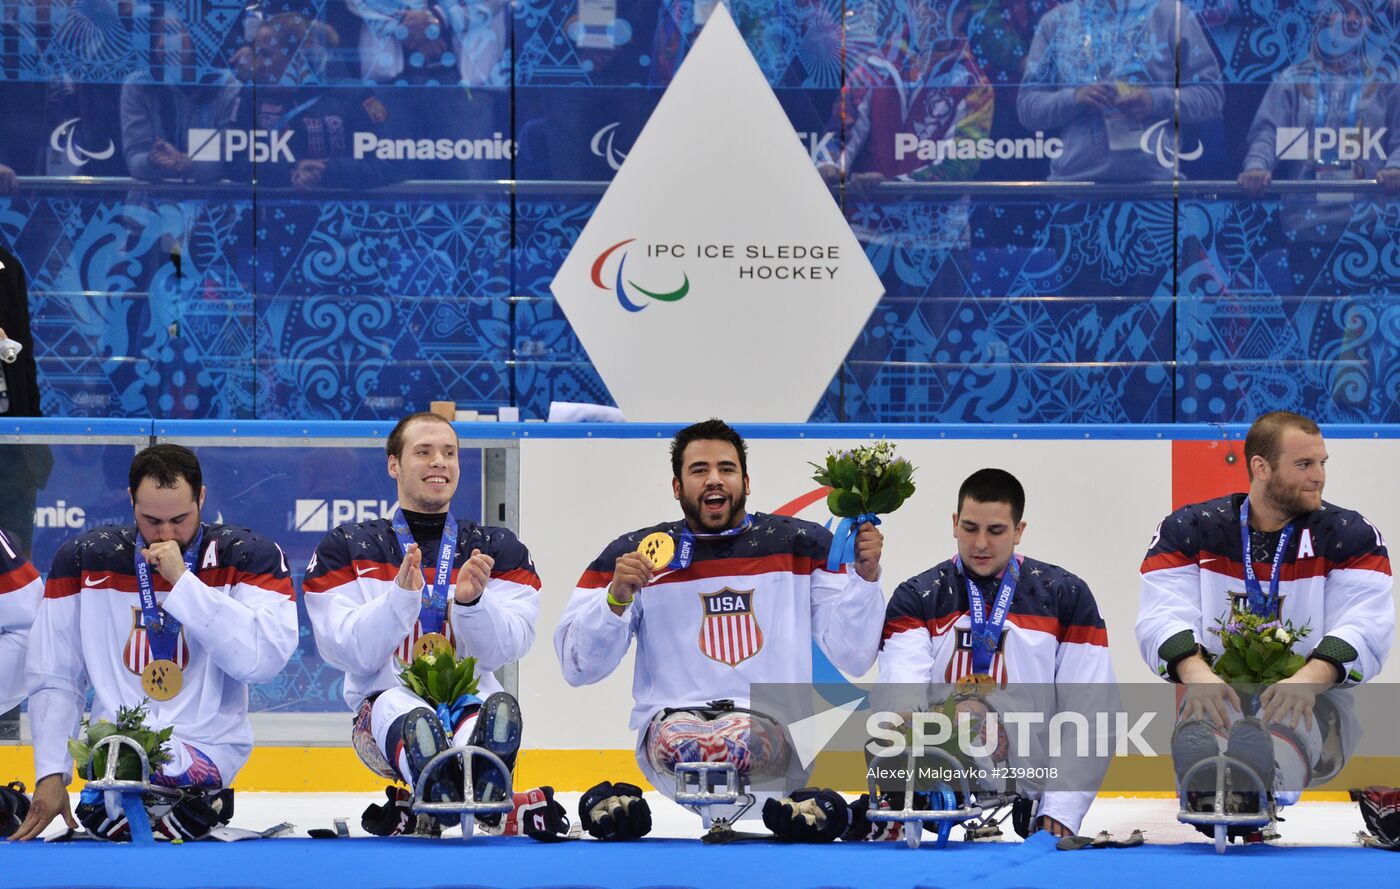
(178, 613)
(1279, 552)
(739, 601)
(377, 591)
(989, 617)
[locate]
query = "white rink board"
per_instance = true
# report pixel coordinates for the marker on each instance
(1091, 507)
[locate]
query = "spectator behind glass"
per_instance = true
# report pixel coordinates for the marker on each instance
(1101, 73)
(908, 95)
(1336, 88)
(414, 41)
(291, 92)
(26, 466)
(913, 94)
(161, 105)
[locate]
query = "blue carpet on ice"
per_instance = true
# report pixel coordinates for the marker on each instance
(515, 864)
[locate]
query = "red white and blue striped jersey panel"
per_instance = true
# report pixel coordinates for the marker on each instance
(238, 618)
(1335, 579)
(365, 624)
(745, 610)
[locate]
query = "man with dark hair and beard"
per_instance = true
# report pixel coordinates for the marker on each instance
(718, 601)
(171, 614)
(1282, 554)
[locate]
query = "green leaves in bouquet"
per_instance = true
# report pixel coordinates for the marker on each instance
(131, 723)
(440, 678)
(867, 479)
(1258, 651)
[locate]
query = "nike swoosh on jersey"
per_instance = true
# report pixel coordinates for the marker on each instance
(97, 582)
(940, 629)
(363, 571)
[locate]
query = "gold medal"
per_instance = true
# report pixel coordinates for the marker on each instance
(162, 679)
(659, 549)
(431, 643)
(975, 684)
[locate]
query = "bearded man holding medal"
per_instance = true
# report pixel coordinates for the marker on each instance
(717, 601)
(382, 592)
(1279, 552)
(990, 616)
(174, 612)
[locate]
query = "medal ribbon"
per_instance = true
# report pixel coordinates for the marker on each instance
(986, 629)
(843, 541)
(1259, 603)
(1325, 101)
(432, 607)
(162, 630)
(685, 546)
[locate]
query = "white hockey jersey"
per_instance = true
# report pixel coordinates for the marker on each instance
(20, 592)
(1335, 579)
(365, 623)
(238, 626)
(1054, 635)
(746, 610)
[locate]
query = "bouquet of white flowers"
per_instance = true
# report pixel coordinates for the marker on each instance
(865, 482)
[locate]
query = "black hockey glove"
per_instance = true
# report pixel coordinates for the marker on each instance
(538, 816)
(392, 819)
(810, 815)
(14, 808)
(615, 812)
(1380, 808)
(862, 828)
(196, 814)
(93, 817)
(1023, 816)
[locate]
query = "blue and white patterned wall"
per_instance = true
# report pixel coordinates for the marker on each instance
(255, 287)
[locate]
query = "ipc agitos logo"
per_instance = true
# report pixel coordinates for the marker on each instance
(621, 285)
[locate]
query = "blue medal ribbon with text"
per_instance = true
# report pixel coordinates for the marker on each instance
(685, 544)
(1260, 603)
(986, 629)
(162, 630)
(432, 609)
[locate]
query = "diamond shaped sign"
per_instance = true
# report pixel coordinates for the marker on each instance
(717, 276)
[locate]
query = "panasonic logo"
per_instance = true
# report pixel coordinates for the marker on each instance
(495, 148)
(939, 150)
(60, 515)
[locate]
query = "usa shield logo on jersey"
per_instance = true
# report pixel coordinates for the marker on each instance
(137, 653)
(961, 663)
(729, 632)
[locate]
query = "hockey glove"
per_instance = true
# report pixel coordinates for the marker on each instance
(392, 819)
(1023, 816)
(1380, 807)
(615, 812)
(14, 808)
(196, 814)
(810, 815)
(92, 815)
(536, 815)
(863, 829)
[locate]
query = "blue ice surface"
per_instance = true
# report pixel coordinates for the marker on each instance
(515, 863)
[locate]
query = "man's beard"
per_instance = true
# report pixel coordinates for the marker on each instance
(1286, 500)
(693, 512)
